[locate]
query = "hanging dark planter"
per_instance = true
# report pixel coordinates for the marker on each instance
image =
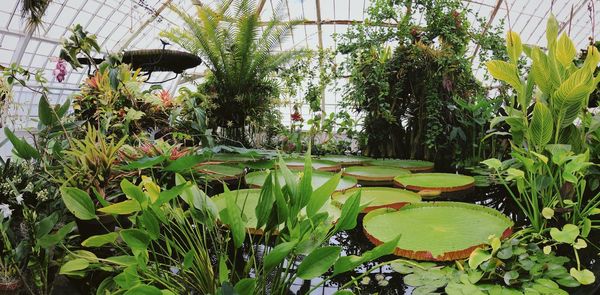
(155, 60)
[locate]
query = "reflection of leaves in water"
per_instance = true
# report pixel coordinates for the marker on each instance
(354, 242)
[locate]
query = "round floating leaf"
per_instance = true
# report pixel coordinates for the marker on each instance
(437, 231)
(378, 197)
(412, 165)
(444, 182)
(247, 201)
(322, 165)
(257, 179)
(220, 171)
(345, 160)
(370, 175)
(585, 277)
(567, 235)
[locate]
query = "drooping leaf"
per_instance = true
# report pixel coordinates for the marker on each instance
(74, 267)
(505, 72)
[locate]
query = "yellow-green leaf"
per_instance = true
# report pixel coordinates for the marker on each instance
(506, 72)
(541, 127)
(585, 277)
(122, 208)
(565, 50)
(514, 46)
(548, 213)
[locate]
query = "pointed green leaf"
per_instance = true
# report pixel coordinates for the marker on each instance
(318, 262)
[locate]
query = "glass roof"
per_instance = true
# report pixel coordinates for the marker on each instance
(136, 24)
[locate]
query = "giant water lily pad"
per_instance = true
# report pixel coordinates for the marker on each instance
(378, 197)
(412, 165)
(438, 231)
(345, 160)
(443, 182)
(375, 175)
(321, 165)
(221, 172)
(247, 200)
(257, 179)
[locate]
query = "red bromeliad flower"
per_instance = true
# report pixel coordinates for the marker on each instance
(93, 82)
(176, 153)
(166, 98)
(296, 116)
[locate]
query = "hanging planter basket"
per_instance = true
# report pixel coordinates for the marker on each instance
(257, 179)
(436, 231)
(375, 175)
(247, 201)
(345, 161)
(435, 182)
(161, 60)
(378, 197)
(412, 165)
(321, 165)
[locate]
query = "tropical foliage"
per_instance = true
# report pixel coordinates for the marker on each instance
(242, 56)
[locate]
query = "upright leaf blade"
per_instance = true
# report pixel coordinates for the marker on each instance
(318, 262)
(78, 202)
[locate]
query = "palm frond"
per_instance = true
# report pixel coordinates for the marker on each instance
(33, 11)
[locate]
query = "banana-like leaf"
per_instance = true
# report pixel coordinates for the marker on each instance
(541, 127)
(506, 72)
(565, 50)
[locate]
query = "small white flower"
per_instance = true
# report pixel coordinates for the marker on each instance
(20, 199)
(174, 269)
(5, 211)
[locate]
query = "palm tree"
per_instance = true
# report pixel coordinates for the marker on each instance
(240, 52)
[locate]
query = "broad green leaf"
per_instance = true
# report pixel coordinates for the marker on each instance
(143, 289)
(350, 211)
(318, 262)
(321, 195)
(196, 198)
(122, 208)
(505, 72)
(350, 262)
(128, 278)
(585, 277)
(144, 163)
(45, 225)
(551, 32)
(233, 215)
(277, 255)
(21, 147)
(51, 240)
(245, 286)
(539, 71)
(477, 257)
(265, 202)
(493, 163)
(122, 260)
(567, 235)
(136, 239)
(569, 97)
(134, 192)
(185, 163)
(223, 269)
(580, 244)
(45, 112)
(78, 202)
(74, 267)
(541, 127)
(150, 223)
(100, 240)
(167, 195)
